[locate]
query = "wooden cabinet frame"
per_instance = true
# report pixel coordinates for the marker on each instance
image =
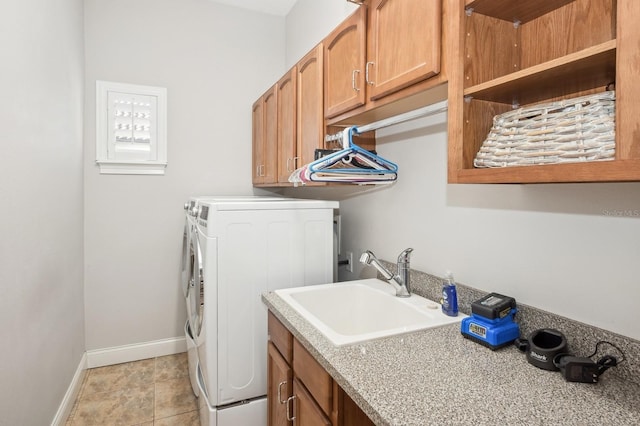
(410, 79)
(265, 133)
(557, 49)
(288, 123)
(309, 392)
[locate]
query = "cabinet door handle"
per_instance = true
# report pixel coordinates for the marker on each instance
(366, 73)
(291, 409)
(353, 80)
(293, 161)
(280, 392)
(261, 172)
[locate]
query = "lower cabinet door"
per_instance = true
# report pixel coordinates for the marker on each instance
(305, 411)
(280, 387)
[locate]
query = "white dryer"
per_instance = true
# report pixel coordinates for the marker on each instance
(191, 270)
(249, 248)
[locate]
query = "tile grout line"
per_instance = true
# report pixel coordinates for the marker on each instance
(171, 372)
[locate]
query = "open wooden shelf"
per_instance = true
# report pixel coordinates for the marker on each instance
(587, 69)
(515, 10)
(595, 171)
(560, 49)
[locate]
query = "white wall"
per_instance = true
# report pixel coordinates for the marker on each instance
(309, 21)
(215, 61)
(556, 247)
(41, 293)
(549, 246)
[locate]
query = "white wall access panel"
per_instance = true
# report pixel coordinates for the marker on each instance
(131, 128)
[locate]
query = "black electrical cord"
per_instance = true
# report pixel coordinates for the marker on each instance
(606, 357)
(585, 369)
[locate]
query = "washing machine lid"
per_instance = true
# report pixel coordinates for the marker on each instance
(265, 203)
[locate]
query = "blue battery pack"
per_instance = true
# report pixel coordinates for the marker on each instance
(492, 333)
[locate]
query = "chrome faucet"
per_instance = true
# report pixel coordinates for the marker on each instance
(400, 281)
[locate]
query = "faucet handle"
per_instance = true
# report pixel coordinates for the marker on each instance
(403, 257)
(366, 257)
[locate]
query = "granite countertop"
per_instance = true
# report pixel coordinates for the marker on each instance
(438, 377)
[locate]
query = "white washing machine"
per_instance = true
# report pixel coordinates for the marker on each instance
(191, 270)
(249, 248)
(191, 267)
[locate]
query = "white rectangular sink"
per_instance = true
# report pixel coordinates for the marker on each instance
(361, 310)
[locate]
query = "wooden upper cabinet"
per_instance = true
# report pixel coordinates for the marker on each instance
(383, 48)
(264, 138)
(269, 171)
(310, 105)
(344, 61)
(288, 122)
(258, 139)
(404, 39)
(287, 144)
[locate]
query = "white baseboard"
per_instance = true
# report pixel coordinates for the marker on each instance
(135, 352)
(72, 393)
(110, 356)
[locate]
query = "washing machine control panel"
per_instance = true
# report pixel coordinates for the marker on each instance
(204, 212)
(203, 215)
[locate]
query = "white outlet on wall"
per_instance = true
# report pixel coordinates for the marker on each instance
(350, 260)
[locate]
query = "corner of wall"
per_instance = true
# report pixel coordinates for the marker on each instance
(66, 406)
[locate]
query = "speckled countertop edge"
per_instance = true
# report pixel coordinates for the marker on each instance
(438, 377)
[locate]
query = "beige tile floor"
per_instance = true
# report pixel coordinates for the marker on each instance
(149, 392)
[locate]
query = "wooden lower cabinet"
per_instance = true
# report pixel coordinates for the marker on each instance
(280, 386)
(300, 392)
(350, 414)
(306, 412)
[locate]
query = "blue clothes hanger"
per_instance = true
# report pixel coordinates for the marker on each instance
(352, 162)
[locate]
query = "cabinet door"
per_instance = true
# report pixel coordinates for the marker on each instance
(306, 411)
(344, 58)
(310, 105)
(280, 387)
(257, 140)
(403, 44)
(281, 338)
(264, 138)
(269, 172)
(287, 126)
(318, 382)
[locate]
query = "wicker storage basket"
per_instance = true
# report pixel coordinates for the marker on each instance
(567, 131)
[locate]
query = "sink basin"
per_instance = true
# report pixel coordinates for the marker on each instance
(356, 311)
